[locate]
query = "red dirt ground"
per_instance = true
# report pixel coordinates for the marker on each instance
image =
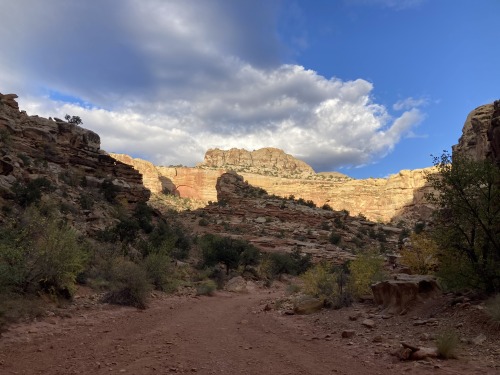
(224, 334)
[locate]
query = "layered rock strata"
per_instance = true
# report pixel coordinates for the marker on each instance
(400, 195)
(267, 161)
(68, 157)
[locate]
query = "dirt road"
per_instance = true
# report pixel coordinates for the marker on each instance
(224, 334)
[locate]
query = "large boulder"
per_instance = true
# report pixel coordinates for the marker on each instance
(398, 294)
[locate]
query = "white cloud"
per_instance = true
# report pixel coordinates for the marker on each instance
(171, 79)
(410, 103)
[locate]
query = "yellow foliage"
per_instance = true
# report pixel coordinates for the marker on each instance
(366, 269)
(320, 282)
(421, 254)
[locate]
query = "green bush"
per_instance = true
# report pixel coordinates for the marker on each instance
(293, 264)
(228, 251)
(159, 269)
(109, 190)
(335, 238)
(32, 192)
(144, 215)
(129, 284)
(38, 253)
(467, 220)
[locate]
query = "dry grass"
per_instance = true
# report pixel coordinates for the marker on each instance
(447, 343)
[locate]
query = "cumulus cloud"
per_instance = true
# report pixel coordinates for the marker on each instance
(166, 80)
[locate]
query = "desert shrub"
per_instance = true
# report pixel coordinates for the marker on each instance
(159, 270)
(334, 238)
(109, 190)
(14, 308)
(338, 223)
(226, 250)
(126, 229)
(447, 343)
(250, 256)
(366, 269)
(32, 192)
(86, 201)
(293, 264)
(129, 284)
(203, 222)
(206, 288)
(421, 254)
(320, 282)
(293, 288)
(327, 207)
(419, 227)
(38, 253)
(143, 214)
(493, 310)
(170, 238)
(327, 283)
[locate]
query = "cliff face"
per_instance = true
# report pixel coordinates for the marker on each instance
(66, 156)
(377, 199)
(481, 134)
(267, 161)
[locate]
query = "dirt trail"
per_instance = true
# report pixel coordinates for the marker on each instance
(224, 334)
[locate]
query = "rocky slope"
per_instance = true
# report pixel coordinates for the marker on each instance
(399, 196)
(66, 160)
(282, 225)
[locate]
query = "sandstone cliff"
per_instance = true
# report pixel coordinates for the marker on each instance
(266, 161)
(69, 159)
(378, 199)
(481, 134)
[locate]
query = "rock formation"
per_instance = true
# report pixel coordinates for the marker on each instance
(276, 224)
(397, 294)
(481, 134)
(69, 158)
(400, 195)
(267, 161)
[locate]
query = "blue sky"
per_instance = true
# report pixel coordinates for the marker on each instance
(365, 87)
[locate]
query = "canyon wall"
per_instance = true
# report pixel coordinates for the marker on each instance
(378, 199)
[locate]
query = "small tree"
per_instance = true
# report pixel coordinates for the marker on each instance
(228, 251)
(73, 119)
(467, 230)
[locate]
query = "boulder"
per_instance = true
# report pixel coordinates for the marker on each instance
(308, 305)
(398, 294)
(237, 285)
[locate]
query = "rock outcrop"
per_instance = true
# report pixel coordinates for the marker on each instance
(399, 196)
(276, 224)
(481, 134)
(396, 295)
(267, 161)
(66, 156)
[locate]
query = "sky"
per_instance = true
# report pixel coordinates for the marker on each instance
(364, 87)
